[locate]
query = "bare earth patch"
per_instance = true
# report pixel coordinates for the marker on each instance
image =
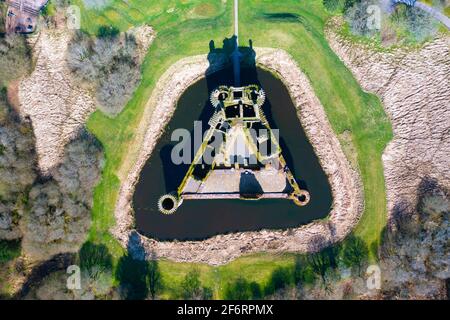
(345, 182)
(57, 107)
(56, 104)
(414, 88)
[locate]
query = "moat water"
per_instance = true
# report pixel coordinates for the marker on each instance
(200, 219)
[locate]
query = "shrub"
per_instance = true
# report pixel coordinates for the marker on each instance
(413, 24)
(357, 16)
(241, 289)
(95, 256)
(281, 278)
(404, 23)
(109, 65)
(354, 253)
(9, 250)
(15, 58)
(192, 289)
(334, 5)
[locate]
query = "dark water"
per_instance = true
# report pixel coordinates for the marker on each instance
(200, 219)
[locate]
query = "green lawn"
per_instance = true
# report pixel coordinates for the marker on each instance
(184, 29)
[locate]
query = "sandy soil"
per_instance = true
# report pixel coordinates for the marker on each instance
(413, 85)
(56, 104)
(57, 107)
(345, 182)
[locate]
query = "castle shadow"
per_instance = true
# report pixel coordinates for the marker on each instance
(220, 72)
(194, 220)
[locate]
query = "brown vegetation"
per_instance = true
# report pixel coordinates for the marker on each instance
(220, 249)
(109, 64)
(15, 58)
(16, 168)
(54, 212)
(58, 211)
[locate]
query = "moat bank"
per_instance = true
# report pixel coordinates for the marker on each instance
(346, 187)
(200, 219)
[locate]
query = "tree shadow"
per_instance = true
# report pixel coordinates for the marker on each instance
(44, 269)
(322, 257)
(107, 32)
(354, 253)
(282, 17)
(242, 289)
(281, 278)
(154, 277)
(9, 250)
(132, 270)
(92, 255)
(138, 272)
(191, 287)
(132, 276)
(406, 219)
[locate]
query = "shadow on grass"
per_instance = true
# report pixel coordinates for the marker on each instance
(132, 276)
(138, 274)
(93, 255)
(281, 17)
(242, 289)
(280, 278)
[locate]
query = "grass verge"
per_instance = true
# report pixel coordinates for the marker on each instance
(298, 28)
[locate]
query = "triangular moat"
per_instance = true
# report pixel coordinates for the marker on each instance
(240, 156)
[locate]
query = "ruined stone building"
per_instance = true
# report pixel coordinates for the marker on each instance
(22, 15)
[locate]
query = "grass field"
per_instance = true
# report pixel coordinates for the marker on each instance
(185, 28)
